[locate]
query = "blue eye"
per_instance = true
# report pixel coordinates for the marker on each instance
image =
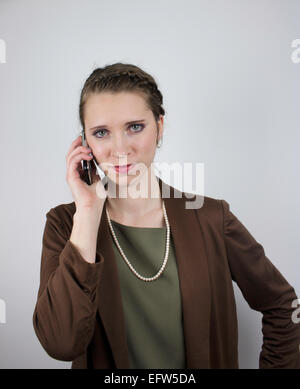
(97, 132)
(141, 126)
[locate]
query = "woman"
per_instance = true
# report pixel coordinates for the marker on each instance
(146, 282)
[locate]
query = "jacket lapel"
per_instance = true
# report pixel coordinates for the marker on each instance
(193, 280)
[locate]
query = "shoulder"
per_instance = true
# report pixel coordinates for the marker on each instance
(200, 203)
(207, 208)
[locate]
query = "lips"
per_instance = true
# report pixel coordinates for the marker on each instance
(123, 168)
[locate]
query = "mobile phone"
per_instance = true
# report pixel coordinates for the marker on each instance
(87, 166)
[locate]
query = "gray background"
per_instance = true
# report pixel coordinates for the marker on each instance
(231, 94)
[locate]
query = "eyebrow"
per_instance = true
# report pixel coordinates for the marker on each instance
(126, 124)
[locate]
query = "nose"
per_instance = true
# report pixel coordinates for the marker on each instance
(120, 146)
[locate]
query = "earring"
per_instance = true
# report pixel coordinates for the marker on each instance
(158, 144)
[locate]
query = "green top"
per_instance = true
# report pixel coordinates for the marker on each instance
(152, 309)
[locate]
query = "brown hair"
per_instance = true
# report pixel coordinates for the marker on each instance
(120, 77)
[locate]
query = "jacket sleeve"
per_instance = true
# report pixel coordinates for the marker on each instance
(65, 313)
(267, 291)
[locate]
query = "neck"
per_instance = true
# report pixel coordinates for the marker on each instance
(127, 206)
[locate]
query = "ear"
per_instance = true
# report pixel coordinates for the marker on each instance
(160, 124)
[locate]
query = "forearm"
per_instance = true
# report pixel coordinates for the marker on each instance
(85, 231)
(65, 313)
(281, 335)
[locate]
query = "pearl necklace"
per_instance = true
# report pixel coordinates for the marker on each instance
(166, 252)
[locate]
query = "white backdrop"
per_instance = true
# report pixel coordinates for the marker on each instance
(231, 93)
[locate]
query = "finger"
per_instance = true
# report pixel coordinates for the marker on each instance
(77, 150)
(74, 162)
(74, 144)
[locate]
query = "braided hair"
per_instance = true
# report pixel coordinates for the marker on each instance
(120, 77)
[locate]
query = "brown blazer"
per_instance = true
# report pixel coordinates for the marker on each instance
(79, 314)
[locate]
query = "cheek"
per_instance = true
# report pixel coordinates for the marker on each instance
(145, 144)
(101, 152)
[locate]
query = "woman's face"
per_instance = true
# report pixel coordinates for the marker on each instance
(114, 141)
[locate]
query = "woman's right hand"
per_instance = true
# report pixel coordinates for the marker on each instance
(85, 196)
